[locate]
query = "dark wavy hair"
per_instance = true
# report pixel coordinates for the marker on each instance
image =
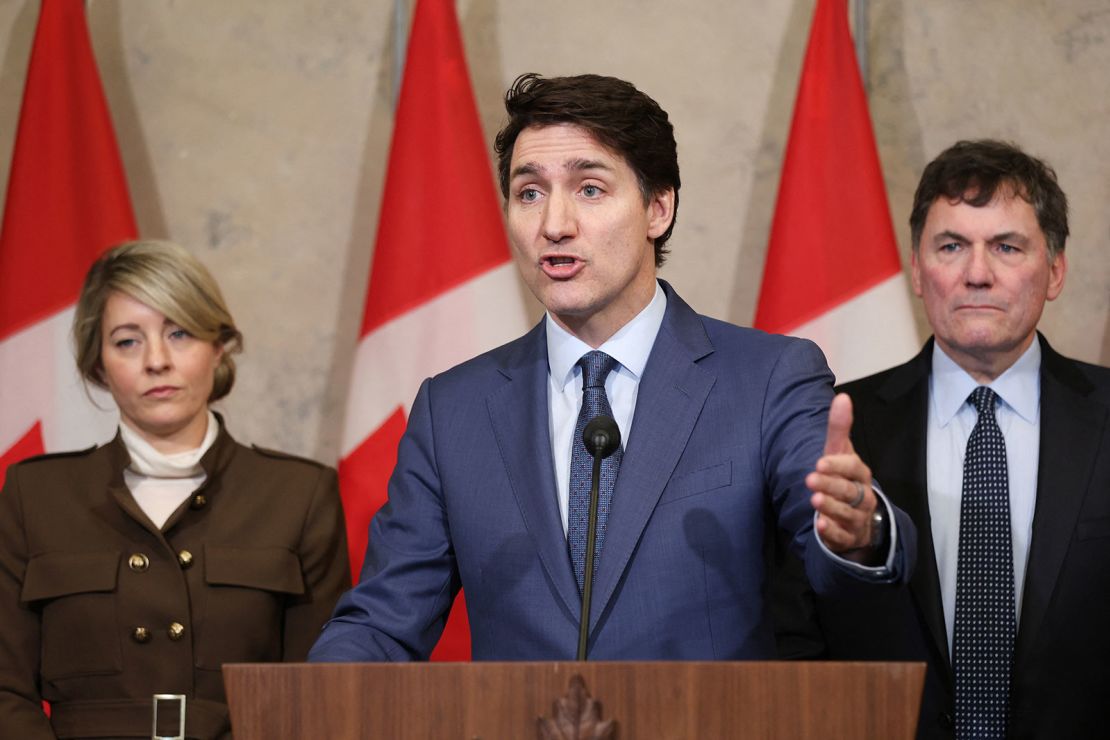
(616, 114)
(973, 171)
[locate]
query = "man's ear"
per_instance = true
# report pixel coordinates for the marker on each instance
(1057, 271)
(660, 212)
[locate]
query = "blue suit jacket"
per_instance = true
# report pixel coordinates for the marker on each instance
(728, 422)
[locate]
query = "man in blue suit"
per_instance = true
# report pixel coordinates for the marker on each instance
(727, 434)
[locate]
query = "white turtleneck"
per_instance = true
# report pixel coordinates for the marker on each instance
(160, 483)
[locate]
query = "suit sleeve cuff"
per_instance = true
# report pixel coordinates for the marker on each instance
(871, 572)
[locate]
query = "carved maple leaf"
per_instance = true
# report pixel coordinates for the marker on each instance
(577, 716)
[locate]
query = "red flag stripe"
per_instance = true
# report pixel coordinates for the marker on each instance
(831, 237)
(29, 445)
(425, 243)
(363, 477)
(67, 194)
(67, 201)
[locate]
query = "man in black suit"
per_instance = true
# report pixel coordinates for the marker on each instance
(988, 227)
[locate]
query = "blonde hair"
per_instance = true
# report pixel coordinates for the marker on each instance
(169, 279)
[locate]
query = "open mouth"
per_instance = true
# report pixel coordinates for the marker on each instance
(561, 266)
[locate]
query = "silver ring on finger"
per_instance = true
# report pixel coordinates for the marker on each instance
(860, 492)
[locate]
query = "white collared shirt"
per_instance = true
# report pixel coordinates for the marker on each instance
(630, 347)
(951, 419)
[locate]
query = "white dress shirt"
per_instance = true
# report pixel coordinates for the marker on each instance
(951, 420)
(630, 347)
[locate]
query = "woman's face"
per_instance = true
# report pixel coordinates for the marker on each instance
(159, 375)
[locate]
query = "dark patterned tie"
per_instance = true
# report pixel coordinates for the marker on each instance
(983, 645)
(595, 368)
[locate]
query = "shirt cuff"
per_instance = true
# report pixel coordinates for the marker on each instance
(877, 572)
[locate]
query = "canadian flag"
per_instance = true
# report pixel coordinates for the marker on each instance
(67, 202)
(442, 286)
(833, 273)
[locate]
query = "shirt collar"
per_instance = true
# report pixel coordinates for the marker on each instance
(630, 346)
(1019, 387)
(146, 460)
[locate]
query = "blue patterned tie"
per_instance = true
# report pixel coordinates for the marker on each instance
(983, 645)
(595, 368)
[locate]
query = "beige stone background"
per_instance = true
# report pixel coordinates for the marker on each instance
(256, 133)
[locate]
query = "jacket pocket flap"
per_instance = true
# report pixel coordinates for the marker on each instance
(698, 481)
(55, 574)
(266, 568)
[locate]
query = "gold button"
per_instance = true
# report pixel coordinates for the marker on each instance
(138, 562)
(185, 558)
(176, 631)
(199, 501)
(140, 635)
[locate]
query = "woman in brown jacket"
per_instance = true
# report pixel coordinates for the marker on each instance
(141, 566)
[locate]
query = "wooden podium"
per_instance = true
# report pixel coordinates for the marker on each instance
(505, 701)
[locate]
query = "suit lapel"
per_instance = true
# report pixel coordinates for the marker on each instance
(117, 459)
(672, 392)
(518, 413)
(900, 434)
(1071, 431)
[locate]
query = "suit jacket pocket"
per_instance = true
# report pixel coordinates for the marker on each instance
(266, 568)
(75, 593)
(1093, 528)
(246, 591)
(697, 481)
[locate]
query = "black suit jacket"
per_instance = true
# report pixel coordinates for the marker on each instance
(1061, 675)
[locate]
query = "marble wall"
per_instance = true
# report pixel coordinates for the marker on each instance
(256, 133)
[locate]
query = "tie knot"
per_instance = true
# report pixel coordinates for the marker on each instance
(983, 399)
(595, 368)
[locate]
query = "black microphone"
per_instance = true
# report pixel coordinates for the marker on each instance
(602, 438)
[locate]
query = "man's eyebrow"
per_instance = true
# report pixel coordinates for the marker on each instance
(588, 164)
(1009, 236)
(950, 236)
(524, 169)
(576, 165)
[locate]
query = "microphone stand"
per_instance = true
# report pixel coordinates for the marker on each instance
(591, 541)
(601, 437)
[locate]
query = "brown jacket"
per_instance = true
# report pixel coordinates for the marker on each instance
(99, 609)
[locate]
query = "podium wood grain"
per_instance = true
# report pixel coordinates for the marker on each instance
(502, 701)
